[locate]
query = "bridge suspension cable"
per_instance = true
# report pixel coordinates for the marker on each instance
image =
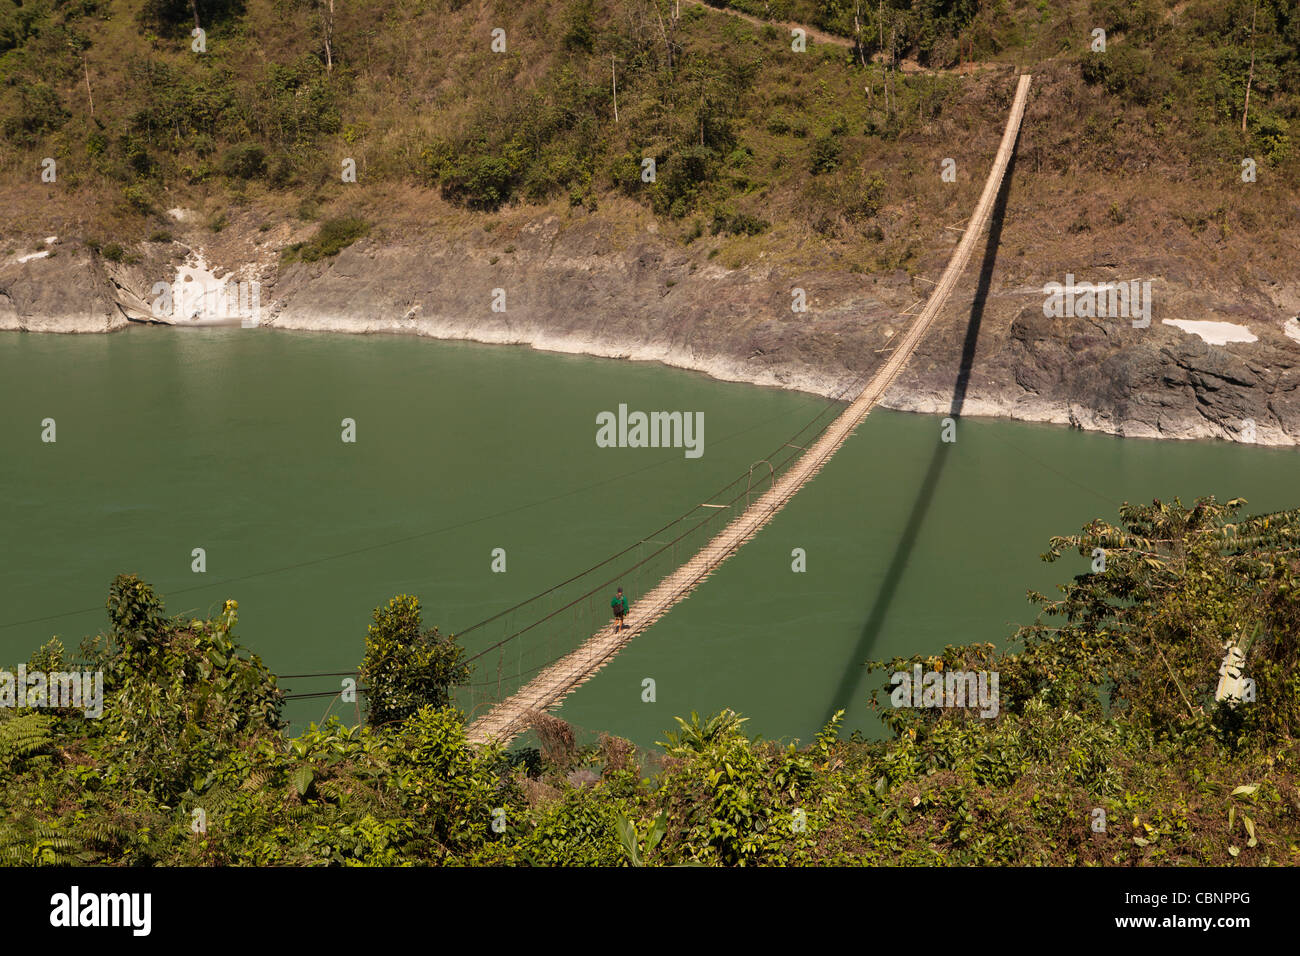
(503, 707)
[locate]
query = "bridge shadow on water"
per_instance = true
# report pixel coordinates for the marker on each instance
(852, 672)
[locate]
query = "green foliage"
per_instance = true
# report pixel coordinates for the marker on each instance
(39, 111)
(738, 224)
(681, 179)
(171, 108)
(245, 161)
(333, 236)
(295, 104)
(1272, 133)
(50, 656)
(23, 737)
(1137, 20)
(138, 198)
(782, 124)
(579, 26)
(630, 842)
(177, 694)
(20, 22)
(1179, 583)
(537, 124)
(451, 784)
(1128, 72)
(574, 830)
(172, 15)
(918, 27)
(696, 736)
(825, 153)
(406, 667)
(543, 145)
(135, 614)
(480, 181)
(114, 252)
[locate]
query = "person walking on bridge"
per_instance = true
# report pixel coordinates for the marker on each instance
(619, 606)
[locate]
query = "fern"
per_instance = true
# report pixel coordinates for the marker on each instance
(23, 737)
(37, 844)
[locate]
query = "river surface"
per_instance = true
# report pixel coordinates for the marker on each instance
(230, 440)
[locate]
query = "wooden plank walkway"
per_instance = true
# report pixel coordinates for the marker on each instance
(512, 716)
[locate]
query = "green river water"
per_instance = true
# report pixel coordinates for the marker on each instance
(229, 440)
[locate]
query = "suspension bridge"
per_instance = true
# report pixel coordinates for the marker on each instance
(536, 664)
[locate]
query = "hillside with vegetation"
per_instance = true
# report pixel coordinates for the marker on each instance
(1109, 746)
(750, 137)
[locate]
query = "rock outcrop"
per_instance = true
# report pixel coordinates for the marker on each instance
(63, 292)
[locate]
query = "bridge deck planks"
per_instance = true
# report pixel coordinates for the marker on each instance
(548, 689)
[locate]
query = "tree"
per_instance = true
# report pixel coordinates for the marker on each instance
(406, 667)
(327, 17)
(1169, 590)
(178, 694)
(136, 615)
(325, 9)
(1245, 112)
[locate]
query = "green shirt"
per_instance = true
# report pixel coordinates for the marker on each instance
(619, 604)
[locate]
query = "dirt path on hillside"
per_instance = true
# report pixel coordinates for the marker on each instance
(820, 36)
(812, 32)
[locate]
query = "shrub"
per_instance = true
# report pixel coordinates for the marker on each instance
(280, 170)
(849, 195)
(737, 224)
(861, 196)
(407, 667)
(1272, 134)
(245, 161)
(137, 196)
(39, 111)
(825, 154)
(177, 695)
(680, 179)
(333, 236)
(579, 29)
(480, 182)
(1131, 74)
(778, 124)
